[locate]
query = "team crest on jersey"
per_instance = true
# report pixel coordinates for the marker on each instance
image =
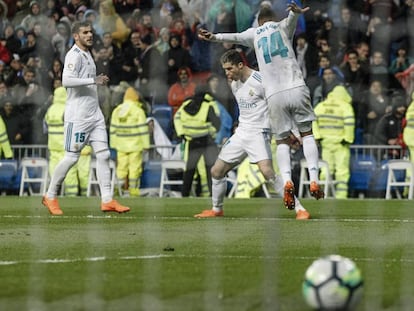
(251, 92)
(76, 146)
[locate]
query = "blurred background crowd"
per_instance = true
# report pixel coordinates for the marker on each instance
(152, 45)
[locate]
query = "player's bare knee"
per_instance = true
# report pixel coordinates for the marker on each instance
(217, 172)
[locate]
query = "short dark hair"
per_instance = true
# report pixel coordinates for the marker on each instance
(232, 56)
(266, 14)
(78, 25)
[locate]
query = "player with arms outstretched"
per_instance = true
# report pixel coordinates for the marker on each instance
(287, 95)
(83, 121)
(251, 138)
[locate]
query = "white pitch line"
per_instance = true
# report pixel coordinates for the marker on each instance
(159, 256)
(369, 220)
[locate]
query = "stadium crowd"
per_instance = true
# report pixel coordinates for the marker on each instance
(152, 45)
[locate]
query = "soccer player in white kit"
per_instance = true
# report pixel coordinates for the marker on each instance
(83, 121)
(251, 138)
(287, 95)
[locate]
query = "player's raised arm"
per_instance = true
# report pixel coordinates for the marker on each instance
(297, 9)
(204, 34)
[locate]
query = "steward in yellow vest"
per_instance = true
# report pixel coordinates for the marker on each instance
(5, 147)
(129, 135)
(197, 122)
(334, 128)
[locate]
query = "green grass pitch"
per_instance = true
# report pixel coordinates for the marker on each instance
(158, 257)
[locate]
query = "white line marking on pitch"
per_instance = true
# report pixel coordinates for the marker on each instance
(228, 218)
(186, 256)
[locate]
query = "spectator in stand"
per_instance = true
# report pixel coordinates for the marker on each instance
(115, 58)
(169, 11)
(182, 89)
(15, 71)
(55, 71)
(3, 17)
(111, 22)
(389, 129)
(374, 106)
(32, 99)
(378, 70)
(17, 128)
(163, 42)
(29, 48)
(13, 44)
(5, 93)
(152, 82)
(125, 7)
(5, 55)
(351, 30)
(61, 40)
(307, 56)
(401, 62)
(328, 83)
(21, 35)
(130, 55)
(43, 48)
(180, 28)
(145, 26)
(316, 77)
(35, 16)
(175, 58)
(229, 16)
(356, 78)
(330, 32)
(74, 6)
(406, 78)
(363, 49)
(93, 17)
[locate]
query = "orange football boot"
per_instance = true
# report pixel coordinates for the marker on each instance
(209, 213)
(114, 206)
(52, 205)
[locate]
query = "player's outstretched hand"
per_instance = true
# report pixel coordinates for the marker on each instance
(101, 79)
(204, 34)
(297, 9)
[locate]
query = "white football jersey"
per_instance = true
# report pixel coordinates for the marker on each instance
(275, 55)
(78, 77)
(250, 98)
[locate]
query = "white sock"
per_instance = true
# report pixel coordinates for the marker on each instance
(60, 173)
(283, 161)
(310, 150)
(298, 205)
(219, 187)
(103, 174)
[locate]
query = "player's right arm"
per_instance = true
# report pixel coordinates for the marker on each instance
(245, 38)
(71, 71)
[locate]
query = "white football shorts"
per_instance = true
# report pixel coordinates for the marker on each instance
(78, 134)
(289, 109)
(253, 143)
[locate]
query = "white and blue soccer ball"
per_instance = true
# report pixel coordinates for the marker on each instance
(333, 282)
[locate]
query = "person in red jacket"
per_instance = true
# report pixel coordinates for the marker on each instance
(182, 89)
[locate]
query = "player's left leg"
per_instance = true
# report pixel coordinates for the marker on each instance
(276, 181)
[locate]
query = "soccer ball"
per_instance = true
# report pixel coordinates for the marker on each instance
(333, 282)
